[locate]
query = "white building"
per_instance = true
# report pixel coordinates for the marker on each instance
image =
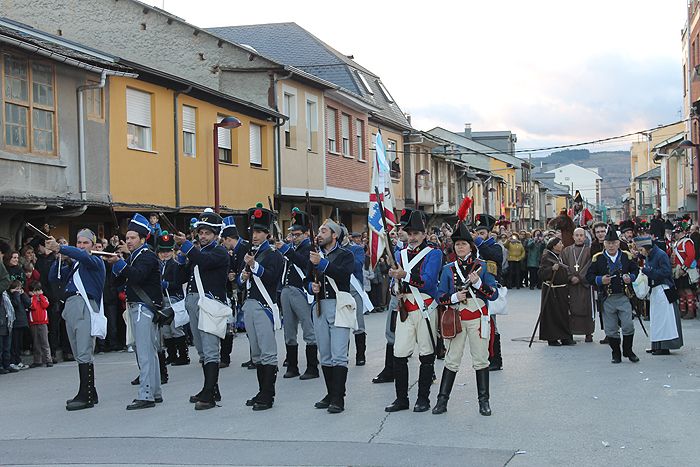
(587, 181)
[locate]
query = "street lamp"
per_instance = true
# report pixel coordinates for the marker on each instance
(227, 123)
(422, 173)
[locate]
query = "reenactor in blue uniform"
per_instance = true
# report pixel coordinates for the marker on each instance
(295, 300)
(261, 277)
(211, 262)
(172, 279)
(80, 306)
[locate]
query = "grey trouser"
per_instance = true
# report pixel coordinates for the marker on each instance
(207, 344)
(333, 342)
(617, 309)
(261, 333)
(78, 327)
(146, 341)
(170, 331)
(390, 335)
(360, 311)
(296, 311)
(40, 343)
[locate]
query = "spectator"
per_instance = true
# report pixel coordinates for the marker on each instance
(31, 276)
(13, 267)
(516, 253)
(534, 247)
(27, 255)
(43, 265)
(20, 303)
(39, 326)
(367, 276)
(7, 316)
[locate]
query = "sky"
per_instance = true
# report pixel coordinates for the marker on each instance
(554, 72)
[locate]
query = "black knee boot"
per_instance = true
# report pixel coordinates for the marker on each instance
(163, 367)
(496, 362)
(425, 379)
(328, 378)
(83, 400)
(446, 383)
(615, 346)
(482, 389)
(401, 385)
(311, 362)
(183, 351)
(292, 362)
(211, 376)
(196, 397)
(627, 348)
(251, 402)
(360, 346)
(169, 345)
(267, 395)
(340, 375)
(387, 374)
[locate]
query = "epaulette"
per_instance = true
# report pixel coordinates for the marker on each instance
(595, 256)
(629, 255)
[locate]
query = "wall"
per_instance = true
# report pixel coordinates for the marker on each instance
(141, 177)
(302, 169)
(140, 34)
(56, 176)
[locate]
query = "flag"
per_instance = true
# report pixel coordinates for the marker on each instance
(380, 179)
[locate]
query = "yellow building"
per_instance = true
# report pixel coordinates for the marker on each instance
(162, 149)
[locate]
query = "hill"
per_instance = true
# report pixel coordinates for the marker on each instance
(613, 166)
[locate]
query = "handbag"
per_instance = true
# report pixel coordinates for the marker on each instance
(500, 305)
(450, 322)
(641, 286)
(162, 316)
(180, 315)
(345, 307)
(212, 313)
(98, 320)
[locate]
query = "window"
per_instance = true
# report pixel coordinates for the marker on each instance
(29, 117)
(364, 82)
(225, 152)
(331, 119)
(189, 131)
(679, 173)
(94, 99)
(345, 127)
(382, 88)
(360, 139)
(255, 145)
(138, 119)
(311, 125)
(391, 154)
(289, 108)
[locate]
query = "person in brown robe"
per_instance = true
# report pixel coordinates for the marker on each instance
(577, 258)
(554, 275)
(564, 224)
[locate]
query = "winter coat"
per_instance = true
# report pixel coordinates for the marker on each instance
(38, 310)
(516, 251)
(534, 252)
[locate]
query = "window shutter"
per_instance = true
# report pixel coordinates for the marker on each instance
(330, 123)
(189, 123)
(224, 135)
(138, 107)
(346, 127)
(255, 144)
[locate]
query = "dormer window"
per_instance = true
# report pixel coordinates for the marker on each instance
(387, 96)
(364, 82)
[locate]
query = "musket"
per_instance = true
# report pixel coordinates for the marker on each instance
(276, 229)
(394, 265)
(41, 232)
(314, 247)
(169, 225)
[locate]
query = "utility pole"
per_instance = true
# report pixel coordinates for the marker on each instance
(531, 189)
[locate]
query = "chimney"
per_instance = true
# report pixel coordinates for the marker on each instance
(408, 118)
(468, 130)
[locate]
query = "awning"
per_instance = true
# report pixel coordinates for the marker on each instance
(671, 140)
(649, 175)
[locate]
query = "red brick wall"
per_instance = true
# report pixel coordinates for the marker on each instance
(343, 171)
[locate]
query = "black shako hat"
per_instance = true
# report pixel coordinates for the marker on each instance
(209, 220)
(405, 216)
(260, 218)
(484, 222)
(166, 241)
(577, 197)
(140, 225)
(415, 222)
(460, 230)
(300, 221)
(611, 234)
(626, 226)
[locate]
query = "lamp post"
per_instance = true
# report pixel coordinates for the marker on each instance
(422, 172)
(227, 123)
(685, 144)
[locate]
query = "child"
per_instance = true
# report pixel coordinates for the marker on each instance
(31, 276)
(20, 302)
(39, 326)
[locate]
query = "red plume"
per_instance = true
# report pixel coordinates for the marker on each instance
(464, 208)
